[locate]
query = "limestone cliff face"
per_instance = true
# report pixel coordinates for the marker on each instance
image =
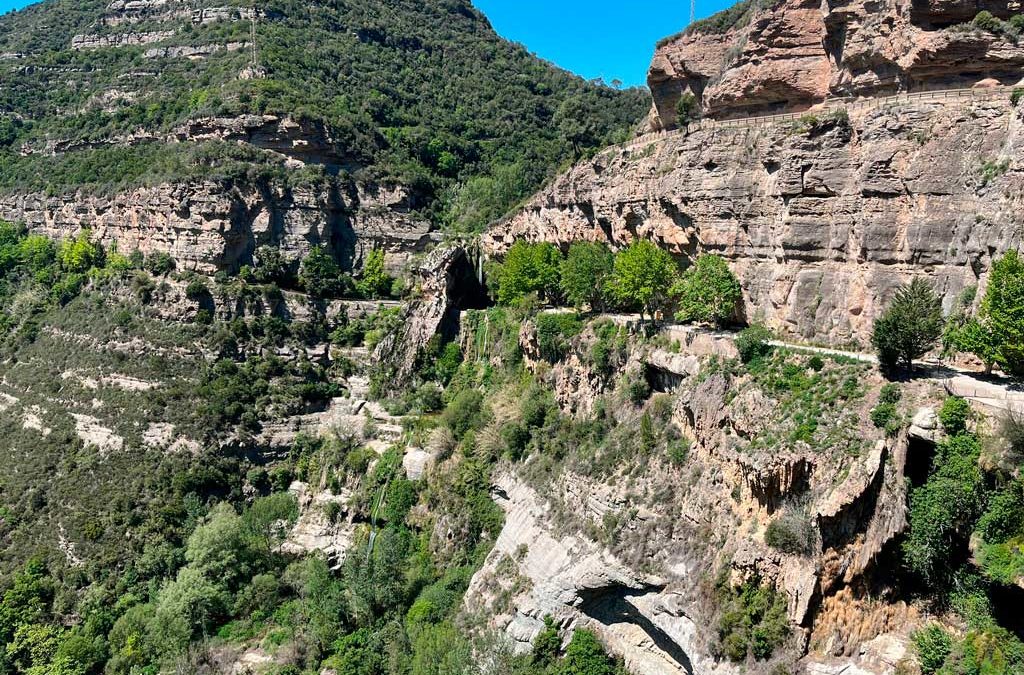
(212, 225)
(822, 219)
(634, 555)
(792, 54)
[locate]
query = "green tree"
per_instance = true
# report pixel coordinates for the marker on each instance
(642, 276)
(375, 282)
(686, 109)
(219, 548)
(584, 273)
(996, 335)
(320, 275)
(933, 645)
(1002, 311)
(910, 327)
(268, 519)
(944, 510)
(973, 337)
(546, 645)
(529, 268)
(186, 607)
(79, 254)
(708, 292)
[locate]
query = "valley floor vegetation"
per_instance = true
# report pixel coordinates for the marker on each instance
(141, 559)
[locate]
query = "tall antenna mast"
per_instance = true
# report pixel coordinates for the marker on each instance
(693, 11)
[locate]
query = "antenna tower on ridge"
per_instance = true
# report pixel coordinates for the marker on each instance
(693, 11)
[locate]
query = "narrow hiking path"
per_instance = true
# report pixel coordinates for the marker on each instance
(994, 392)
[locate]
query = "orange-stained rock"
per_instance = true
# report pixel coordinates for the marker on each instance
(794, 54)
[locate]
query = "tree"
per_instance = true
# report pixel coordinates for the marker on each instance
(584, 272)
(996, 335)
(642, 277)
(686, 109)
(270, 267)
(943, 510)
(320, 275)
(375, 283)
(529, 268)
(910, 327)
(218, 548)
(268, 519)
(585, 656)
(79, 254)
(708, 292)
(1002, 311)
(546, 645)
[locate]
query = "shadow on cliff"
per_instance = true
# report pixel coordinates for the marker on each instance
(611, 605)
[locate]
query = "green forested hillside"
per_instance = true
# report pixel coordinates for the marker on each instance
(425, 92)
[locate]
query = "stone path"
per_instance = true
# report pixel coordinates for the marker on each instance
(997, 394)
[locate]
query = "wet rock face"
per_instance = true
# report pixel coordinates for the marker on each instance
(793, 54)
(821, 222)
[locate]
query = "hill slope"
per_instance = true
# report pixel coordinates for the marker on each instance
(420, 101)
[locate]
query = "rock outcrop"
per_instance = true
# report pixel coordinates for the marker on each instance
(448, 283)
(821, 219)
(634, 554)
(794, 54)
(212, 225)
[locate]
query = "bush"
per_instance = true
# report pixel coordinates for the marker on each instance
(159, 263)
(932, 644)
(708, 292)
(638, 389)
(1017, 95)
(792, 533)
(752, 343)
(679, 451)
(464, 412)
(910, 327)
(954, 415)
(816, 363)
(555, 333)
(985, 21)
(196, 289)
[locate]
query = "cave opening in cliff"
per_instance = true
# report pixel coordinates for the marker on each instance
(467, 291)
(920, 457)
(661, 381)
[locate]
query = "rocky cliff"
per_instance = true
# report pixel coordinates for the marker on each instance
(775, 55)
(822, 218)
(641, 555)
(212, 225)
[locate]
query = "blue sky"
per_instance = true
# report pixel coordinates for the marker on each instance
(612, 39)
